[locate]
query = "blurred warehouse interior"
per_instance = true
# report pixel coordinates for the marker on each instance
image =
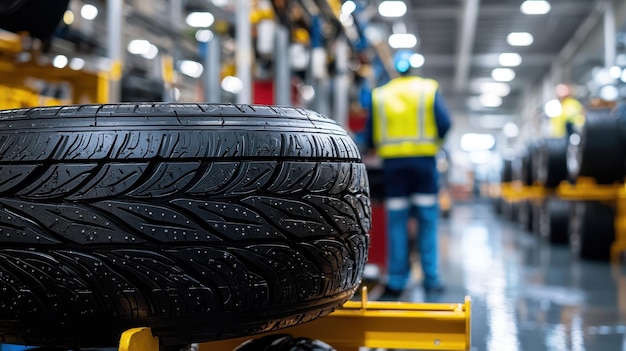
(498, 62)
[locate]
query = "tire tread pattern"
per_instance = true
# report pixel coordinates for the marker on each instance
(185, 218)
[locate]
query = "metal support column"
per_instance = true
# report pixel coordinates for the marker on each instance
(610, 42)
(321, 103)
(342, 85)
(176, 14)
(243, 56)
(212, 59)
(282, 67)
(114, 47)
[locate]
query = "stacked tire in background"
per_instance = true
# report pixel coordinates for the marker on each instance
(599, 154)
(542, 164)
(524, 173)
(508, 210)
(549, 170)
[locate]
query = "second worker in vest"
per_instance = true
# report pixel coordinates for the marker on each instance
(407, 124)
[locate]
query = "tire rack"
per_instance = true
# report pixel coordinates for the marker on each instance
(586, 189)
(516, 191)
(395, 325)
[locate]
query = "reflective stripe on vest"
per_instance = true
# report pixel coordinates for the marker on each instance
(404, 118)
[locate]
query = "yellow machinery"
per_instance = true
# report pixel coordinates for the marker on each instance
(516, 191)
(586, 189)
(397, 325)
(20, 72)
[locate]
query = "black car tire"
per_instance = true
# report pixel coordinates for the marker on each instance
(200, 221)
(38, 17)
(551, 162)
(284, 342)
(600, 153)
(554, 221)
(592, 230)
(506, 175)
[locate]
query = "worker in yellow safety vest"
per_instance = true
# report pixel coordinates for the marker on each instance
(572, 116)
(407, 124)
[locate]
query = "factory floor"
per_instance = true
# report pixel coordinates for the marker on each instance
(526, 294)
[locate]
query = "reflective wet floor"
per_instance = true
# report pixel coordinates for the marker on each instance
(526, 294)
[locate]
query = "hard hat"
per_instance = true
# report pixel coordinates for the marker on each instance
(402, 60)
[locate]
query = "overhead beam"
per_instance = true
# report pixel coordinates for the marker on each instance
(465, 43)
(580, 35)
(496, 10)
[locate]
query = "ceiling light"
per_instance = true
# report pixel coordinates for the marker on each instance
(204, 35)
(392, 8)
(500, 89)
(190, 68)
(490, 100)
(77, 63)
(602, 76)
(510, 130)
(142, 47)
(402, 41)
(535, 7)
(553, 108)
(477, 142)
(520, 39)
(503, 74)
(138, 46)
(232, 84)
(348, 7)
(59, 61)
(89, 12)
(417, 60)
(615, 72)
(609, 93)
(200, 19)
(510, 59)
(623, 76)
(68, 17)
(151, 52)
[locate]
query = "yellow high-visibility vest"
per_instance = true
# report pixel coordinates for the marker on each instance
(572, 111)
(403, 113)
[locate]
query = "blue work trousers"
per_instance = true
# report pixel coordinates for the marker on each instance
(411, 191)
(399, 267)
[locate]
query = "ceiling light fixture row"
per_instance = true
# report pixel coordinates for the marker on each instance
(501, 75)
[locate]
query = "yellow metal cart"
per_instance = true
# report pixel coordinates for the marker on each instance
(397, 325)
